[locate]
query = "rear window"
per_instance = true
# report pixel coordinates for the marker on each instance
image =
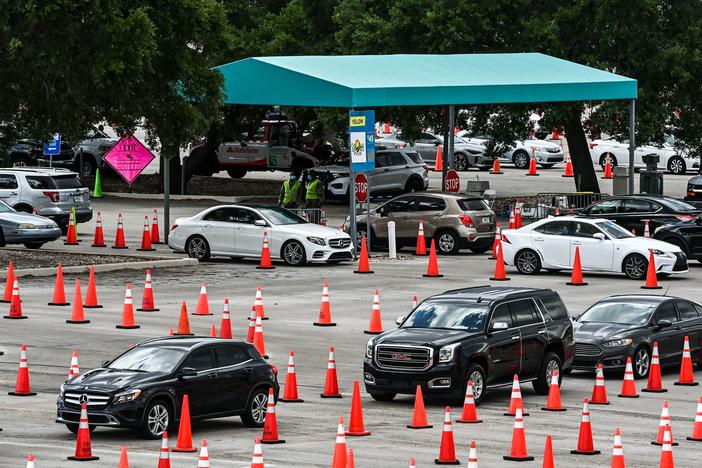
(678, 205)
(414, 156)
(473, 204)
(40, 182)
(554, 306)
(67, 182)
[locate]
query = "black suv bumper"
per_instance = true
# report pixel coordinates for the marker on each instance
(128, 414)
(447, 380)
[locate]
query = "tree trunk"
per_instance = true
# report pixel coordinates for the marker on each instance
(174, 171)
(585, 177)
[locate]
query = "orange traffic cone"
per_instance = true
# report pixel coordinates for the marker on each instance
(164, 460)
(203, 306)
(147, 301)
(15, 304)
(651, 279)
(225, 327)
(412, 463)
(469, 414)
(290, 394)
(183, 322)
(386, 128)
(146, 237)
(687, 377)
(155, 233)
(607, 169)
(339, 460)
(628, 384)
(375, 327)
(548, 453)
(512, 219)
(84, 451)
(204, 458)
(325, 309)
(99, 237)
(77, 314)
(265, 263)
(433, 266)
(74, 368)
(447, 450)
(518, 215)
(91, 299)
(171, 332)
(71, 235)
(252, 326)
(128, 310)
(667, 451)
(419, 415)
(496, 169)
(258, 339)
(599, 392)
(553, 402)
(576, 278)
(119, 237)
(647, 228)
(59, 298)
(439, 164)
(123, 458)
(9, 282)
(662, 424)
(30, 461)
(349, 459)
(472, 455)
(331, 382)
(500, 273)
(213, 331)
(270, 425)
(617, 450)
(655, 384)
(22, 387)
(532, 167)
(258, 304)
(414, 303)
(697, 426)
(185, 435)
(363, 262)
(496, 242)
(586, 446)
(518, 452)
(515, 401)
(568, 168)
(421, 248)
(356, 426)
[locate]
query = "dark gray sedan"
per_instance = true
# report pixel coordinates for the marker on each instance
(25, 228)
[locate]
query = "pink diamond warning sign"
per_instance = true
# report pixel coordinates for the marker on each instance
(129, 157)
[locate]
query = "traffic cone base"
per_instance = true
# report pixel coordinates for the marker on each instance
(583, 283)
(464, 421)
(320, 324)
(140, 309)
(647, 390)
(455, 462)
(683, 384)
(594, 452)
(14, 318)
(82, 459)
(428, 426)
(554, 410)
(127, 326)
(58, 303)
(22, 394)
(627, 396)
(77, 321)
(298, 400)
(651, 287)
(330, 396)
(518, 459)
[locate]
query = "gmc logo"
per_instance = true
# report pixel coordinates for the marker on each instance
(400, 357)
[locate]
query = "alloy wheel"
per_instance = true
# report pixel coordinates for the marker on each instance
(635, 267)
(677, 166)
(478, 384)
(642, 361)
(521, 160)
(157, 420)
(550, 367)
(446, 242)
(197, 248)
(293, 253)
(258, 407)
(527, 262)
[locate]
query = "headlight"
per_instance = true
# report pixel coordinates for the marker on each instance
(660, 253)
(369, 349)
(448, 353)
(617, 343)
(61, 390)
(55, 226)
(26, 226)
(317, 240)
(125, 397)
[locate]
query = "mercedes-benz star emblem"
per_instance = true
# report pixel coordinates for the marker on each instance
(83, 399)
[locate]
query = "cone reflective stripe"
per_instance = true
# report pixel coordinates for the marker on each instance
(553, 402)
(22, 387)
(164, 460)
(339, 460)
(225, 327)
(325, 309)
(71, 235)
(203, 460)
(155, 233)
(203, 306)
(500, 273)
(356, 425)
(183, 322)
(667, 450)
(469, 414)
(512, 224)
(419, 415)
(375, 327)
(516, 401)
(73, 369)
(265, 263)
(414, 302)
(663, 422)
(290, 394)
(647, 229)
(628, 384)
(257, 459)
(84, 451)
(655, 384)
(91, 299)
(433, 265)
(697, 426)
(77, 313)
(473, 452)
(331, 382)
(363, 261)
(124, 458)
(496, 242)
(147, 302)
(146, 237)
(9, 282)
(586, 446)
(99, 237)
(576, 278)
(258, 339)
(59, 298)
(258, 304)
(599, 392)
(617, 450)
(412, 463)
(496, 169)
(447, 450)
(548, 453)
(439, 163)
(270, 425)
(518, 451)
(350, 463)
(421, 248)
(651, 278)
(128, 310)
(185, 436)
(687, 376)
(30, 461)
(15, 304)
(252, 326)
(119, 237)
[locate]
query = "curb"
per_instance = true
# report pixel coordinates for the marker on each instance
(179, 262)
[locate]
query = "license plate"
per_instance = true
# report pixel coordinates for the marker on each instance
(486, 220)
(78, 198)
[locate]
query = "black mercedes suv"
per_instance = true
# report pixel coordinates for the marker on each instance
(143, 388)
(486, 334)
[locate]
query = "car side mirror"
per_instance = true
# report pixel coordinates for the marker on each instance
(186, 373)
(382, 212)
(260, 223)
(399, 320)
(498, 326)
(437, 142)
(599, 236)
(664, 324)
(105, 363)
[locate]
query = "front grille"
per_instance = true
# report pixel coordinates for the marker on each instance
(340, 256)
(340, 243)
(553, 150)
(585, 349)
(95, 400)
(558, 159)
(680, 262)
(404, 358)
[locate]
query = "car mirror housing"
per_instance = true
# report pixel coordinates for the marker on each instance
(105, 363)
(187, 372)
(497, 326)
(599, 236)
(260, 222)
(399, 320)
(664, 323)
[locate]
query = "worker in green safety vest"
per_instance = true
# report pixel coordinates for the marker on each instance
(314, 193)
(290, 193)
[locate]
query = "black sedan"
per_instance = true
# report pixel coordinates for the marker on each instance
(618, 327)
(686, 235)
(630, 211)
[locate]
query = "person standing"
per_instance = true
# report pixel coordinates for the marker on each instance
(290, 193)
(314, 193)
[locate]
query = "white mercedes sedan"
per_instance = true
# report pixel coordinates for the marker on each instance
(236, 231)
(604, 247)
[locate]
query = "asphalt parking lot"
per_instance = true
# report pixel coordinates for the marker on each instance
(292, 298)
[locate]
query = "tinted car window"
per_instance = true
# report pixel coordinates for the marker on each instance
(8, 181)
(40, 182)
(429, 204)
(230, 356)
(679, 205)
(149, 359)
(396, 159)
(242, 215)
(199, 360)
(554, 307)
(220, 214)
(584, 229)
(666, 312)
(524, 312)
(472, 204)
(502, 314)
(686, 310)
(605, 207)
(381, 160)
(698, 308)
(639, 206)
(67, 182)
(555, 228)
(395, 206)
(414, 156)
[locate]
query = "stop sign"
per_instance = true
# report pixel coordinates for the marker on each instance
(361, 187)
(453, 182)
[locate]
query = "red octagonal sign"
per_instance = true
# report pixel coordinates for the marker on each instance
(361, 187)
(453, 182)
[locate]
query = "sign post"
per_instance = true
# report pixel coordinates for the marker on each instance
(453, 182)
(362, 159)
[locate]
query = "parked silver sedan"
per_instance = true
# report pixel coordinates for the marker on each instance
(25, 228)
(465, 154)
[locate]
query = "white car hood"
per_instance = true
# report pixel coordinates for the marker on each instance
(648, 243)
(540, 144)
(332, 169)
(315, 230)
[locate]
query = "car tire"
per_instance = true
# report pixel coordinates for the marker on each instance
(383, 396)
(198, 248)
(479, 250)
(33, 245)
(641, 362)
(293, 253)
(603, 160)
(527, 262)
(447, 242)
(520, 158)
(21, 160)
(157, 419)
(549, 363)
(255, 413)
(413, 185)
(236, 172)
(88, 167)
(460, 162)
(2, 238)
(360, 230)
(677, 166)
(476, 373)
(634, 266)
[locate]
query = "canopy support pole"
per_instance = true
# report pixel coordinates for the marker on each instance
(632, 143)
(451, 126)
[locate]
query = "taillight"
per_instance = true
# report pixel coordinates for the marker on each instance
(426, 168)
(685, 217)
(466, 220)
(53, 196)
(691, 193)
(274, 369)
(504, 239)
(174, 226)
(592, 145)
(402, 145)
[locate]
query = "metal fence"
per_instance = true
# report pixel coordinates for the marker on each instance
(313, 215)
(552, 203)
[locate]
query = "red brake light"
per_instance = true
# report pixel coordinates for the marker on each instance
(685, 217)
(466, 220)
(592, 145)
(504, 239)
(274, 369)
(53, 196)
(174, 226)
(426, 168)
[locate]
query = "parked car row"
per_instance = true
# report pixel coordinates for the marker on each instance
(617, 151)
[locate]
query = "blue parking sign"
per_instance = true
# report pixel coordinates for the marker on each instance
(362, 140)
(54, 146)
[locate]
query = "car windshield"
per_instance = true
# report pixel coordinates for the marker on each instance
(628, 313)
(449, 316)
(614, 230)
(281, 216)
(149, 359)
(5, 208)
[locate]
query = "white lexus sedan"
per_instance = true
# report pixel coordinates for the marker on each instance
(237, 231)
(604, 246)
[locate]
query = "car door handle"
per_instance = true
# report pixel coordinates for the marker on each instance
(386, 170)
(542, 332)
(577, 243)
(213, 375)
(540, 239)
(516, 337)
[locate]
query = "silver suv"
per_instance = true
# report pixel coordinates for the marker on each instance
(52, 192)
(465, 153)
